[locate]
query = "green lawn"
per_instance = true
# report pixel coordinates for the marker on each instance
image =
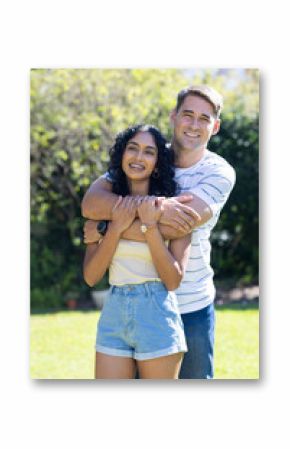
(62, 344)
(237, 343)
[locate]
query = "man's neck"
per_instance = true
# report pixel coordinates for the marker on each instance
(187, 158)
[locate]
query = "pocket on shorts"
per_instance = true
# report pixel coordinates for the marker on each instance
(166, 303)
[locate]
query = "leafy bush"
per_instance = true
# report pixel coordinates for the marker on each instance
(236, 235)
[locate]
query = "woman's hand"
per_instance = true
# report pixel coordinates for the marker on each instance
(91, 235)
(150, 210)
(123, 213)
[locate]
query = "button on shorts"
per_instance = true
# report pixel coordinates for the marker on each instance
(140, 321)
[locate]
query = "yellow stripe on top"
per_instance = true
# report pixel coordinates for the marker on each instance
(132, 264)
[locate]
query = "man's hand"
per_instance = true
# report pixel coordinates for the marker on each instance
(178, 215)
(91, 235)
(150, 210)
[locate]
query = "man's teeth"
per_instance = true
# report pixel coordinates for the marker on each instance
(192, 134)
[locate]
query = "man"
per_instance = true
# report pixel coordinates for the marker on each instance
(209, 179)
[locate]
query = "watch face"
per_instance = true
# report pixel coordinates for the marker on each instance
(102, 227)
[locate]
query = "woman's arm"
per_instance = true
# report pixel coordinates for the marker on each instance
(98, 256)
(91, 235)
(168, 263)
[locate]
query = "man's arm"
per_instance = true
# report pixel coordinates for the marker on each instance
(184, 218)
(177, 219)
(134, 233)
(99, 201)
(169, 232)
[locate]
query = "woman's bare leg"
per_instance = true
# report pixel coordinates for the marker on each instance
(166, 367)
(114, 367)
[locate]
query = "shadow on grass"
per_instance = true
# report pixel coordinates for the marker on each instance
(61, 310)
(233, 305)
(238, 305)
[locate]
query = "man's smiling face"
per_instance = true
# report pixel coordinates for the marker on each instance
(194, 123)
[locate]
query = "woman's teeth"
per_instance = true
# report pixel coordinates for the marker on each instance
(137, 166)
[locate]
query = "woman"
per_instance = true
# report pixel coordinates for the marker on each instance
(140, 325)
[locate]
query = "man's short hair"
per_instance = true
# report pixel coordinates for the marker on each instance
(203, 91)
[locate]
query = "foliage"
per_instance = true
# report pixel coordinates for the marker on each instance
(235, 237)
(75, 115)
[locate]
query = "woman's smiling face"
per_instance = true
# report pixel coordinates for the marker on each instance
(140, 156)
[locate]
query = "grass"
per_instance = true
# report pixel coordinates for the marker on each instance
(62, 344)
(237, 342)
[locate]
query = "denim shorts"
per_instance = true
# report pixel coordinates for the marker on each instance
(140, 321)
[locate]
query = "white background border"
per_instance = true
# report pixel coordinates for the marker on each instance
(220, 414)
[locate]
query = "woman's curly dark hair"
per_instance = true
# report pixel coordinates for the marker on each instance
(161, 185)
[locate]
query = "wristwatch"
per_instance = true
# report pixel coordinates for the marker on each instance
(102, 227)
(144, 227)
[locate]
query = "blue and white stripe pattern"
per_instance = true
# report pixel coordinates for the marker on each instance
(212, 180)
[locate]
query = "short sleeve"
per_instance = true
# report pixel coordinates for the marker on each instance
(106, 176)
(215, 187)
